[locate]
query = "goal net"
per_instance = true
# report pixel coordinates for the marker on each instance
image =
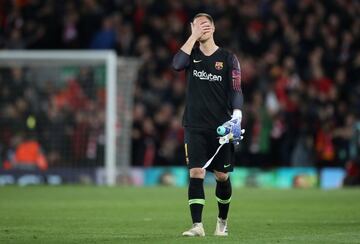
(65, 116)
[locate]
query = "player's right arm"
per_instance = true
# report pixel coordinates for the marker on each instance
(181, 59)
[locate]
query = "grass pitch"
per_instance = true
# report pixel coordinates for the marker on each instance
(83, 214)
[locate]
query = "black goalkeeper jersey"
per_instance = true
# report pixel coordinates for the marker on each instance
(209, 89)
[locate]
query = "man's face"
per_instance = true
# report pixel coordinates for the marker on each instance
(206, 35)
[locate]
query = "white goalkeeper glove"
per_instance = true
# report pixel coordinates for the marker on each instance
(231, 130)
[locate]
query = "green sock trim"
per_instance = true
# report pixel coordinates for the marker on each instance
(223, 201)
(197, 201)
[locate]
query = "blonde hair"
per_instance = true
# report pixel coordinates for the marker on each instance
(208, 16)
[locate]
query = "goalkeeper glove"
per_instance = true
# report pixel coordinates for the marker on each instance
(231, 130)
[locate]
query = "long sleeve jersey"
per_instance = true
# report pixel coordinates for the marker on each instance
(213, 87)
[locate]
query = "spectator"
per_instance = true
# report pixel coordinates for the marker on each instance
(28, 155)
(106, 37)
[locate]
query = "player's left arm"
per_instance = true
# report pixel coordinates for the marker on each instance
(235, 133)
(237, 98)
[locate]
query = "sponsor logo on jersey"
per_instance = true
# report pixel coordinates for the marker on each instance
(196, 61)
(202, 75)
(219, 65)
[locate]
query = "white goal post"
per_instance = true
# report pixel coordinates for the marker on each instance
(110, 60)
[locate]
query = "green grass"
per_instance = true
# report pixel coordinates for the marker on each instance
(80, 214)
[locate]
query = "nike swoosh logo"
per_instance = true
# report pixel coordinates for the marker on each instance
(227, 165)
(197, 61)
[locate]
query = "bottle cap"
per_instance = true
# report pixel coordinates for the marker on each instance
(221, 130)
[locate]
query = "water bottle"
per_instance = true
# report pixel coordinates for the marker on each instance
(228, 131)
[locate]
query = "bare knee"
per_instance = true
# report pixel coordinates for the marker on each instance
(197, 173)
(221, 176)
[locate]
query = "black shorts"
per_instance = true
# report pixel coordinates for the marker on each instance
(200, 146)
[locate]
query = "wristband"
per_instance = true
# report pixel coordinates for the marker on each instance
(237, 114)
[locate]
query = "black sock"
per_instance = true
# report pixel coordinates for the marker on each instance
(196, 198)
(223, 196)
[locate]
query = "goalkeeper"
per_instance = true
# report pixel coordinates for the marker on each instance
(214, 97)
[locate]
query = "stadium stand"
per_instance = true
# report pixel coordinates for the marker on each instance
(300, 64)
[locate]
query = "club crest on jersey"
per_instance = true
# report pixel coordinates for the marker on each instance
(219, 65)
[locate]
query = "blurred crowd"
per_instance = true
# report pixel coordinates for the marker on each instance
(50, 123)
(300, 64)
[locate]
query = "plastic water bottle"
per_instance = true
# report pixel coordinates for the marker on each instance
(228, 131)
